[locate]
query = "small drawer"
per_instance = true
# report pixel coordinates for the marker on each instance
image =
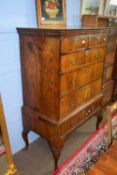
(97, 39)
(77, 98)
(80, 77)
(107, 75)
(73, 43)
(107, 92)
(75, 121)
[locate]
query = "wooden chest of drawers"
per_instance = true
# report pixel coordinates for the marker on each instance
(62, 73)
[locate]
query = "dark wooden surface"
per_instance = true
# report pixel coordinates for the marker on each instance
(62, 74)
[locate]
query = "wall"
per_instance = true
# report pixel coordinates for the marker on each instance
(19, 13)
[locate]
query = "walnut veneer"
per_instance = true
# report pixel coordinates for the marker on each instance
(62, 72)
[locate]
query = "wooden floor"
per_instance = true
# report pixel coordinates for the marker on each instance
(107, 165)
(38, 159)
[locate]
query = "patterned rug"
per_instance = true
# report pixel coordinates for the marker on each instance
(2, 147)
(95, 146)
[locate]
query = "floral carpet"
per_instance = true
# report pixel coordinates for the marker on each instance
(2, 147)
(95, 146)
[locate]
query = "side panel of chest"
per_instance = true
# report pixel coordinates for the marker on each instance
(40, 66)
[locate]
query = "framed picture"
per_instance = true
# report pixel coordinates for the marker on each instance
(51, 12)
(92, 7)
(7, 166)
(110, 8)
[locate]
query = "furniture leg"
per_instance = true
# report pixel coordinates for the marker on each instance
(25, 138)
(56, 151)
(99, 119)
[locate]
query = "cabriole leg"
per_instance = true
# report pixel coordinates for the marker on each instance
(56, 151)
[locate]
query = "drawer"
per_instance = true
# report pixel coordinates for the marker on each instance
(97, 39)
(80, 77)
(111, 44)
(73, 122)
(73, 43)
(107, 75)
(75, 60)
(110, 58)
(107, 92)
(71, 102)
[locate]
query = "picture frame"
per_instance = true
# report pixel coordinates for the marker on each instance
(51, 12)
(110, 9)
(11, 169)
(92, 7)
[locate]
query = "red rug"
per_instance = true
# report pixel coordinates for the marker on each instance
(2, 150)
(2, 147)
(82, 160)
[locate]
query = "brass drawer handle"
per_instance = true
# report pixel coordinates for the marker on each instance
(72, 103)
(96, 38)
(88, 112)
(86, 70)
(72, 123)
(95, 73)
(73, 82)
(74, 61)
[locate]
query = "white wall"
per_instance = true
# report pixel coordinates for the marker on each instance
(19, 13)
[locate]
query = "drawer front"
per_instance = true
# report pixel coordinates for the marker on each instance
(77, 98)
(98, 39)
(73, 122)
(75, 60)
(111, 44)
(73, 43)
(110, 58)
(80, 77)
(107, 92)
(108, 70)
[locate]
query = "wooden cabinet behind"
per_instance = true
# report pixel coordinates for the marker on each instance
(62, 72)
(109, 75)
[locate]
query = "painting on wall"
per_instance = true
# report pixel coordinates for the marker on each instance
(92, 7)
(110, 8)
(51, 12)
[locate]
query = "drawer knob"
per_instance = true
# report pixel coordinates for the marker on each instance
(104, 39)
(89, 110)
(83, 42)
(74, 61)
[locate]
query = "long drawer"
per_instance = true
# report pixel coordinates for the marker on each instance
(83, 41)
(75, 60)
(76, 79)
(71, 102)
(74, 121)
